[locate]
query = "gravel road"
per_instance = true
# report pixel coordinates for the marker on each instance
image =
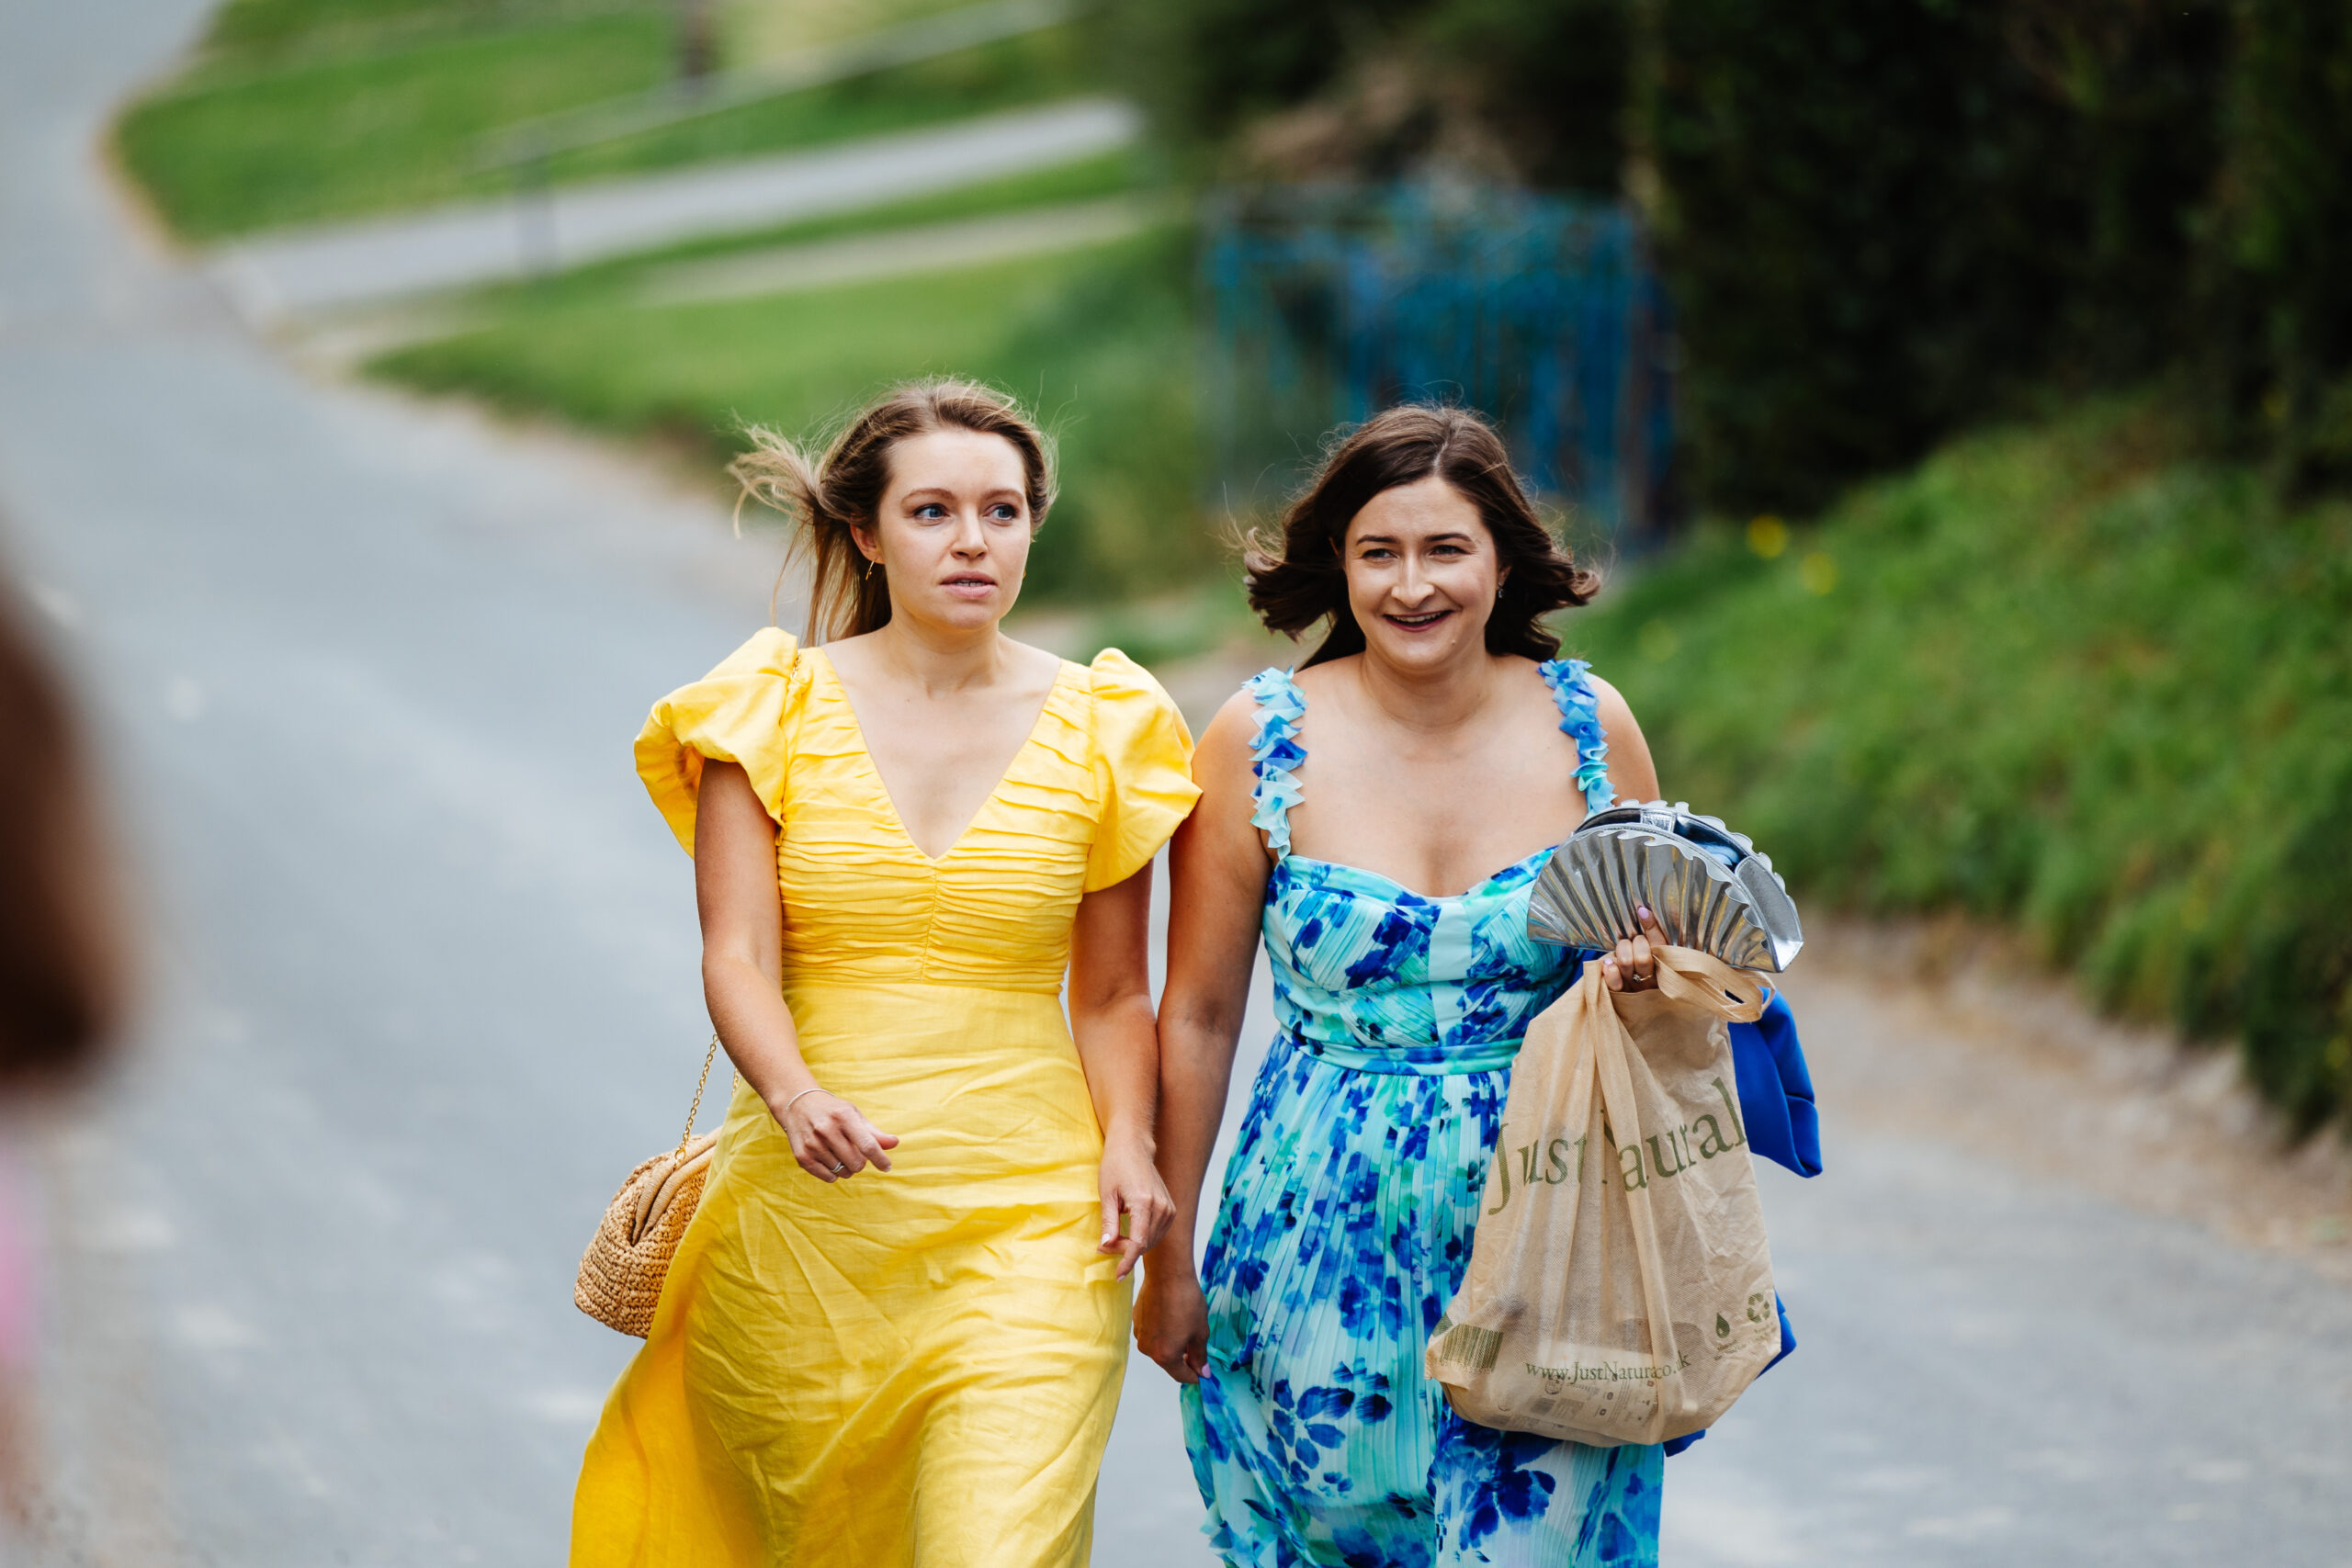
(423, 987)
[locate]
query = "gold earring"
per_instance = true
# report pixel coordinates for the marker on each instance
(869, 568)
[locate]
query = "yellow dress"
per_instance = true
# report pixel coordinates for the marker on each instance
(918, 1367)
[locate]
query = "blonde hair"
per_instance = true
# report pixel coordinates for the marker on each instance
(828, 496)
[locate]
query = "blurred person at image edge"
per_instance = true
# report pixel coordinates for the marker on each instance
(62, 976)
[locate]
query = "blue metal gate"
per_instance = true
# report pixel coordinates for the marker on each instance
(1328, 303)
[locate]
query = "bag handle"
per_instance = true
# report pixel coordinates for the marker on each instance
(1699, 979)
(694, 1111)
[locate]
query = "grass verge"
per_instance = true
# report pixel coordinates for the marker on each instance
(297, 111)
(2054, 677)
(1097, 341)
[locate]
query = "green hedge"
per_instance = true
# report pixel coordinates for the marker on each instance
(2277, 294)
(2053, 678)
(1883, 220)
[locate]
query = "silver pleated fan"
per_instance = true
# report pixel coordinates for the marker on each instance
(1709, 888)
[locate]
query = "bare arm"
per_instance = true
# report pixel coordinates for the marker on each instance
(1110, 1016)
(1631, 967)
(1218, 871)
(1631, 771)
(742, 980)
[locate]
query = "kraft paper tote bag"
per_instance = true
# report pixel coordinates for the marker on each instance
(1620, 1290)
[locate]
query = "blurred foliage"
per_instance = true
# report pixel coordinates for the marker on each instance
(2059, 677)
(271, 28)
(1543, 81)
(1097, 342)
(299, 111)
(1169, 628)
(1883, 219)
(1548, 77)
(2277, 342)
(1210, 66)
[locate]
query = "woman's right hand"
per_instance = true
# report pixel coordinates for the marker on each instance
(832, 1138)
(1172, 1319)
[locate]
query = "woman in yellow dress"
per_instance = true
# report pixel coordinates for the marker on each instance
(893, 1335)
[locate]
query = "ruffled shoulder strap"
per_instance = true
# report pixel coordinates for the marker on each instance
(1275, 752)
(1580, 722)
(746, 712)
(1143, 769)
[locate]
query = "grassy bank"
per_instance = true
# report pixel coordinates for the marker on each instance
(2054, 678)
(1097, 340)
(295, 111)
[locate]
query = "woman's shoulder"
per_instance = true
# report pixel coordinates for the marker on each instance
(1143, 759)
(1132, 713)
(746, 699)
(742, 711)
(1267, 707)
(1607, 703)
(1113, 678)
(769, 655)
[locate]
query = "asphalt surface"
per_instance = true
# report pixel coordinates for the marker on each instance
(424, 989)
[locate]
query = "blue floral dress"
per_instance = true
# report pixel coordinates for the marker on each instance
(1347, 1214)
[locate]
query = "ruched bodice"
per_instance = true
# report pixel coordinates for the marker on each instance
(1371, 975)
(1075, 811)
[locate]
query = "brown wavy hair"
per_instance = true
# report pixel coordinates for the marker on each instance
(1305, 581)
(830, 495)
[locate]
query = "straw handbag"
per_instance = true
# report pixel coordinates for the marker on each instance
(621, 1272)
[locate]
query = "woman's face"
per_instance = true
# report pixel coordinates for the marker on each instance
(1422, 573)
(953, 529)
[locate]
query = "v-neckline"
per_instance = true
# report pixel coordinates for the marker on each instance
(882, 785)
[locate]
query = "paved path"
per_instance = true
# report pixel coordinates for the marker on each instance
(424, 987)
(906, 251)
(347, 265)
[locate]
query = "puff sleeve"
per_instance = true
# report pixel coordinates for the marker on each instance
(743, 712)
(1143, 770)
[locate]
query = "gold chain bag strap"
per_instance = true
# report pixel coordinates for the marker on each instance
(621, 1272)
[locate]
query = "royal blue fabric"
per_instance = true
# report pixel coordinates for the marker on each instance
(1775, 1089)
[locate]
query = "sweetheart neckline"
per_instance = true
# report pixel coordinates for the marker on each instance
(1424, 897)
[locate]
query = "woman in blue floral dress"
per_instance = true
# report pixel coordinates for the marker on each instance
(1355, 815)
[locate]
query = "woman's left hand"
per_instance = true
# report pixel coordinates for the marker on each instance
(1634, 966)
(1130, 1185)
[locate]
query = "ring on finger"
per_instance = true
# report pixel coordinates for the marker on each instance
(841, 1167)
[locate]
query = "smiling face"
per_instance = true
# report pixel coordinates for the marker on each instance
(953, 529)
(1422, 571)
